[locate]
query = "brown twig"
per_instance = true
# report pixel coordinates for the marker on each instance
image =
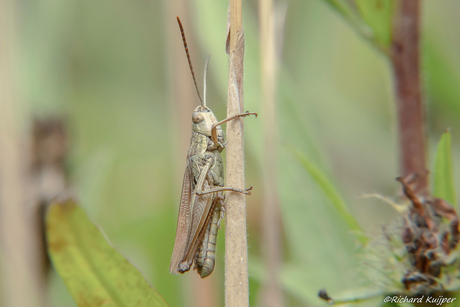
(272, 294)
(236, 252)
(405, 57)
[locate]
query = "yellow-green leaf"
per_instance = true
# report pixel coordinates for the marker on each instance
(443, 174)
(94, 272)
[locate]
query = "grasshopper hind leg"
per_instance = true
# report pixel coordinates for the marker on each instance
(222, 209)
(206, 254)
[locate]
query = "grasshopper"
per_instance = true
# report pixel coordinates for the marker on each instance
(202, 201)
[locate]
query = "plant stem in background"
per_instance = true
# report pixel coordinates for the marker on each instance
(21, 269)
(272, 294)
(405, 57)
(236, 251)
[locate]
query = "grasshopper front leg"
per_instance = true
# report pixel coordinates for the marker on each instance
(214, 126)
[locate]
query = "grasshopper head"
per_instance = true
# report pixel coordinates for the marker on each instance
(203, 119)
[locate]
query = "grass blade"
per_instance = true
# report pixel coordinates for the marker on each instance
(331, 192)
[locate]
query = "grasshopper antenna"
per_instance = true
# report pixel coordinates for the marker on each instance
(188, 58)
(204, 80)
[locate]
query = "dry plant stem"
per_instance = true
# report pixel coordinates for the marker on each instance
(236, 252)
(272, 294)
(22, 283)
(405, 57)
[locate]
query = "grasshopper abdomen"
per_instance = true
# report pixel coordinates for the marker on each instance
(206, 255)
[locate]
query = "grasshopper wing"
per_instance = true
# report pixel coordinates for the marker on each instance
(200, 207)
(183, 221)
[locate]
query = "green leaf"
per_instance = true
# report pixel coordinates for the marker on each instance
(331, 192)
(343, 8)
(443, 173)
(94, 272)
(371, 19)
(378, 15)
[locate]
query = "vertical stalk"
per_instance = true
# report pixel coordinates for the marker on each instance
(236, 252)
(271, 233)
(21, 270)
(405, 57)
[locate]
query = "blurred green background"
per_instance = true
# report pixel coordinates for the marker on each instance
(112, 70)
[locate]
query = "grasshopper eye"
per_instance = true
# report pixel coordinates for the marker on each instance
(197, 118)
